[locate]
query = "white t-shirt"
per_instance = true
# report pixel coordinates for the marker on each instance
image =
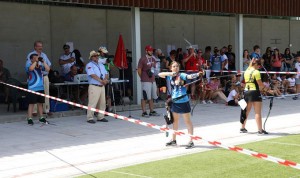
(297, 66)
(66, 67)
(231, 95)
(224, 59)
(292, 82)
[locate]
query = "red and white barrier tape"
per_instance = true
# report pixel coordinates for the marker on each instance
(164, 129)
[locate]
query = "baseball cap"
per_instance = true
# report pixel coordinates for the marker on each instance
(148, 48)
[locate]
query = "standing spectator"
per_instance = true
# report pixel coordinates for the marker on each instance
(66, 60)
(4, 76)
(267, 58)
(104, 59)
(79, 62)
(231, 58)
(216, 62)
(35, 83)
(146, 68)
(289, 59)
(180, 104)
(179, 57)
(98, 78)
(38, 49)
(207, 53)
(225, 59)
(276, 60)
(297, 67)
(191, 64)
(246, 59)
(170, 59)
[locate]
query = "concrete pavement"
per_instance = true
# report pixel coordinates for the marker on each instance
(73, 147)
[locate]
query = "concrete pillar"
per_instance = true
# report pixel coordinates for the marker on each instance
(239, 40)
(136, 52)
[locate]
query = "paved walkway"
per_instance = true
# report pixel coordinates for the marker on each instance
(74, 147)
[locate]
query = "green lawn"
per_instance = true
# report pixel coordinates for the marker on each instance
(220, 163)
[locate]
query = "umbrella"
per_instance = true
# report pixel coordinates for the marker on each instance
(120, 59)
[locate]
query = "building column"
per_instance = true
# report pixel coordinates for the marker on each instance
(239, 41)
(136, 52)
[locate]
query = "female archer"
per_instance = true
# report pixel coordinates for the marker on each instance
(180, 100)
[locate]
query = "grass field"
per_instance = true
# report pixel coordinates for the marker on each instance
(220, 163)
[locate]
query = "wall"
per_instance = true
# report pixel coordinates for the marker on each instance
(89, 28)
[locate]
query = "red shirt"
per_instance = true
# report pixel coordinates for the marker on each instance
(192, 64)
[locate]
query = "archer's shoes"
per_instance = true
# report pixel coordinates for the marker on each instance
(153, 113)
(91, 121)
(262, 132)
(145, 114)
(29, 121)
(295, 98)
(171, 143)
(102, 120)
(43, 120)
(243, 130)
(190, 145)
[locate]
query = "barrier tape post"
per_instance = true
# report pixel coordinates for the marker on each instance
(179, 133)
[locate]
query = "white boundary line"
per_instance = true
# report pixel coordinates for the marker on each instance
(289, 144)
(136, 175)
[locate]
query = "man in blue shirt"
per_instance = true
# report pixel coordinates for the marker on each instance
(98, 78)
(35, 83)
(38, 49)
(217, 62)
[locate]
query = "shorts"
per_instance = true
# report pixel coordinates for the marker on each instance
(297, 81)
(181, 108)
(252, 96)
(33, 98)
(232, 103)
(149, 90)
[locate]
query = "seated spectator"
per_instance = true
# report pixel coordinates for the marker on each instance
(82, 91)
(292, 84)
(66, 60)
(233, 97)
(215, 90)
(79, 62)
(275, 84)
(4, 76)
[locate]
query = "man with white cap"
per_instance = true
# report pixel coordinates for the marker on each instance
(97, 78)
(146, 69)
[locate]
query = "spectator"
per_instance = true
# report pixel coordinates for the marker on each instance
(217, 62)
(80, 92)
(297, 67)
(288, 59)
(246, 59)
(191, 64)
(225, 59)
(231, 58)
(292, 84)
(233, 96)
(66, 60)
(35, 83)
(4, 76)
(179, 57)
(38, 49)
(207, 53)
(97, 78)
(276, 60)
(79, 62)
(215, 90)
(170, 59)
(104, 59)
(267, 58)
(146, 68)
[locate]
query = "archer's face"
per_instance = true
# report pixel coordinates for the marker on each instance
(175, 67)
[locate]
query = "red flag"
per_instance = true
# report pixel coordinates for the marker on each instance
(120, 59)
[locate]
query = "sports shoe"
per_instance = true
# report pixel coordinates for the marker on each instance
(295, 98)
(243, 130)
(91, 121)
(153, 113)
(171, 143)
(210, 102)
(29, 121)
(203, 102)
(190, 145)
(145, 114)
(43, 120)
(102, 120)
(262, 132)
